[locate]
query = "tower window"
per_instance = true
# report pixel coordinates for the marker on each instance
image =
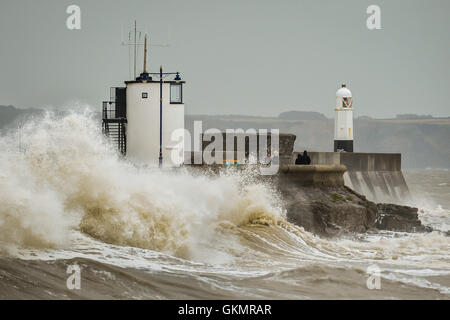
(144, 95)
(346, 102)
(176, 93)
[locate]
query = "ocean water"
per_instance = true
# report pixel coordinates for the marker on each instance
(67, 198)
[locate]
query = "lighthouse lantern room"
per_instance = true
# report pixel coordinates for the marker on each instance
(145, 119)
(343, 121)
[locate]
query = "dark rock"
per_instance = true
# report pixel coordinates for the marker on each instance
(332, 211)
(329, 211)
(399, 218)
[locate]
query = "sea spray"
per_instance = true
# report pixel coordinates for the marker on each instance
(32, 213)
(66, 176)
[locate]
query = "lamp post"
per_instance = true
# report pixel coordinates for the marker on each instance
(162, 74)
(160, 115)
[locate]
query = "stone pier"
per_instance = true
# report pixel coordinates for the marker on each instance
(378, 176)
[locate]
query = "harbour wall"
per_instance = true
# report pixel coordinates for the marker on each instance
(312, 175)
(285, 148)
(378, 176)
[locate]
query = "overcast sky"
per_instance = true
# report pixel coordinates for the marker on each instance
(237, 56)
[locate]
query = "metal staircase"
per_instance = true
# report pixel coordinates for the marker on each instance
(114, 127)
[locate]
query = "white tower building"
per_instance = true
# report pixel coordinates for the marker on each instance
(146, 118)
(343, 121)
(153, 137)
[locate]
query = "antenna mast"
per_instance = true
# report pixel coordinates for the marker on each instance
(137, 42)
(135, 51)
(135, 45)
(145, 54)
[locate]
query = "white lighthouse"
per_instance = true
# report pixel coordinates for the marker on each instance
(343, 121)
(145, 119)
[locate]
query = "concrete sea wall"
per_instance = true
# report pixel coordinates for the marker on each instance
(378, 176)
(312, 175)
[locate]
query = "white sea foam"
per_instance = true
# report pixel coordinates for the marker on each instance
(66, 176)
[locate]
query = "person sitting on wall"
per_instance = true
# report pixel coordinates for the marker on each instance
(303, 159)
(306, 158)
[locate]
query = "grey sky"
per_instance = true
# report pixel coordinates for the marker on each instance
(238, 57)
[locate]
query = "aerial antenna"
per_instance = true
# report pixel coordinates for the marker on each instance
(134, 40)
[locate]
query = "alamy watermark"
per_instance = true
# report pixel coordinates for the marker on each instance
(74, 280)
(374, 279)
(73, 21)
(374, 20)
(234, 146)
